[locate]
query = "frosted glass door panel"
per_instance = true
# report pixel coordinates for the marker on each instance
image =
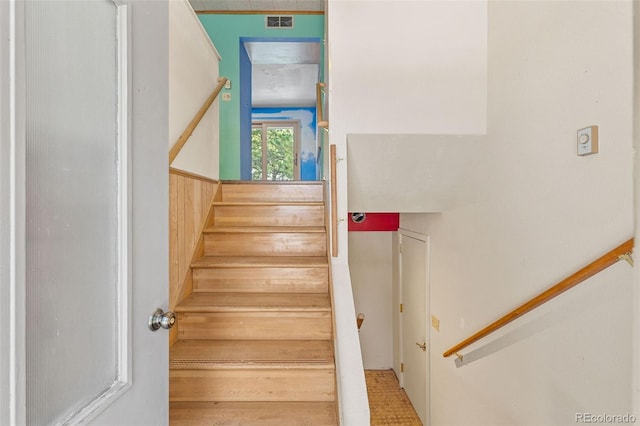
(73, 185)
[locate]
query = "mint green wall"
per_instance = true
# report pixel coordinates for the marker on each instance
(225, 30)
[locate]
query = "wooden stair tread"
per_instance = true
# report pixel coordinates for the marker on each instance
(206, 354)
(254, 338)
(255, 302)
(252, 413)
(264, 229)
(260, 261)
(267, 203)
(273, 182)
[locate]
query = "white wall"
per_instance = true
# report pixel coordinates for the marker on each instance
(193, 74)
(636, 138)
(427, 53)
(403, 67)
(539, 213)
(533, 213)
(371, 279)
(433, 173)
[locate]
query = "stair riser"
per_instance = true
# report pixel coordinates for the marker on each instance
(272, 193)
(265, 244)
(269, 215)
(252, 385)
(255, 325)
(252, 413)
(277, 280)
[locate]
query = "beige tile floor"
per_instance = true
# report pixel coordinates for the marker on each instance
(388, 403)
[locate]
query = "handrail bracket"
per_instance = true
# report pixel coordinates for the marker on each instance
(627, 258)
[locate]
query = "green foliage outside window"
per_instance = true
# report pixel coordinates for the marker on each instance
(256, 154)
(279, 153)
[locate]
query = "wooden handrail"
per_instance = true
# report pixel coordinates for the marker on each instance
(320, 113)
(598, 265)
(175, 149)
(334, 203)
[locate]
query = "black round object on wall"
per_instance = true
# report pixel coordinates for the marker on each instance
(358, 217)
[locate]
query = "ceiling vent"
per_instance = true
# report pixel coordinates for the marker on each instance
(279, 21)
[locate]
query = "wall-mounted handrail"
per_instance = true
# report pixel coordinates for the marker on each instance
(319, 110)
(334, 202)
(182, 140)
(622, 252)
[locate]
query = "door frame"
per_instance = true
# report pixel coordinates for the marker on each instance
(245, 76)
(296, 142)
(12, 215)
(402, 233)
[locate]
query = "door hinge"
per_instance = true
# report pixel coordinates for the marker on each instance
(400, 247)
(402, 367)
(401, 307)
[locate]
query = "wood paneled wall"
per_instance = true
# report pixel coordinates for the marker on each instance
(190, 198)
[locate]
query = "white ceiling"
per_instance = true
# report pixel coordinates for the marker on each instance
(284, 74)
(283, 53)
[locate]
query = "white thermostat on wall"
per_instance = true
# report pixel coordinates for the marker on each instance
(588, 140)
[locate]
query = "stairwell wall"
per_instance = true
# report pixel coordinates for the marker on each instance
(636, 145)
(193, 74)
(538, 213)
(533, 214)
(371, 279)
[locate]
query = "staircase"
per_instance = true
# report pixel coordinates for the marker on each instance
(255, 343)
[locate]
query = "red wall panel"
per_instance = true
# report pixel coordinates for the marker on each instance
(376, 222)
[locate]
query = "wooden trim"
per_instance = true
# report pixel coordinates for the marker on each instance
(333, 304)
(260, 12)
(333, 343)
(588, 271)
(175, 171)
(175, 149)
(334, 203)
(319, 110)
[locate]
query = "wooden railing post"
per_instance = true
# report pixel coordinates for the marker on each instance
(319, 106)
(334, 203)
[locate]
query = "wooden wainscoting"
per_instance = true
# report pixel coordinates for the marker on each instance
(190, 198)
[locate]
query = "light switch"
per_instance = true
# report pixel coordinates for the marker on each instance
(227, 85)
(588, 140)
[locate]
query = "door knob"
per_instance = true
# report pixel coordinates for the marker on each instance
(161, 319)
(422, 346)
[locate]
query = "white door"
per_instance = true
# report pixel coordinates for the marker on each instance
(89, 214)
(415, 342)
